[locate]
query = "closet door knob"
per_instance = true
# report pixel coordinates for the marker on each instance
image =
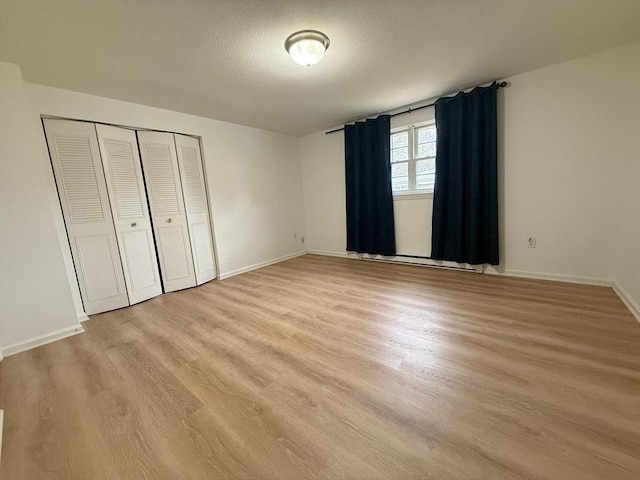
(134, 224)
(168, 220)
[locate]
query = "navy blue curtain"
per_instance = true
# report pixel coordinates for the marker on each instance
(465, 199)
(370, 224)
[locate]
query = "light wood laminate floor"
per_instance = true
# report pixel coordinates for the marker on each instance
(327, 368)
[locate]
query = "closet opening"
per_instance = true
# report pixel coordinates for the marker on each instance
(135, 208)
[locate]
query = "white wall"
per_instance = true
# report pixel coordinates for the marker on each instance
(253, 179)
(571, 166)
(569, 158)
(35, 297)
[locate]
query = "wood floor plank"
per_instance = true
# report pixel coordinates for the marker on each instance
(154, 385)
(244, 425)
(134, 441)
(329, 368)
(53, 424)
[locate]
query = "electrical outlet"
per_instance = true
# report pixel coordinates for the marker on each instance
(532, 242)
(302, 239)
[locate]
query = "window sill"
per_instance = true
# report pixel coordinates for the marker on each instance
(412, 196)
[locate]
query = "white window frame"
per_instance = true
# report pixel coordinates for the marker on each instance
(413, 193)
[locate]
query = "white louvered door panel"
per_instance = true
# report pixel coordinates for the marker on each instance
(85, 205)
(162, 179)
(195, 199)
(123, 172)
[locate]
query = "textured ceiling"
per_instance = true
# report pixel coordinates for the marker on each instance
(225, 59)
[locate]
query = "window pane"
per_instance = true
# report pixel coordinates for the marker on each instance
(400, 170)
(400, 139)
(427, 150)
(426, 166)
(399, 177)
(400, 184)
(425, 174)
(427, 134)
(425, 181)
(400, 154)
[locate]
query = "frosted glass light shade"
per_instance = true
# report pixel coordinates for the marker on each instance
(307, 47)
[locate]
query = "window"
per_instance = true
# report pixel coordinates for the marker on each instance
(413, 159)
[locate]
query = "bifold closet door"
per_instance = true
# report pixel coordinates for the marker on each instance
(85, 205)
(195, 199)
(162, 178)
(123, 174)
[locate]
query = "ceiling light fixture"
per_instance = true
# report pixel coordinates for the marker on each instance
(306, 47)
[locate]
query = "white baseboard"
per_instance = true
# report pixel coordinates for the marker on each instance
(82, 317)
(327, 253)
(419, 262)
(233, 273)
(631, 304)
(41, 340)
(555, 277)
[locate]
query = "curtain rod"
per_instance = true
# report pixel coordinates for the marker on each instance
(500, 85)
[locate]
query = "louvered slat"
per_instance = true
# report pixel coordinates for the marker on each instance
(123, 176)
(193, 193)
(193, 186)
(160, 175)
(79, 178)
